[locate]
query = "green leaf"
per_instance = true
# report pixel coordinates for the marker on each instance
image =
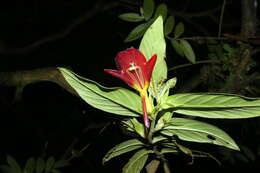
(148, 8)
(122, 148)
(168, 150)
(40, 165)
(50, 164)
(161, 11)
(5, 169)
(169, 24)
(14, 166)
(137, 32)
(137, 162)
(163, 120)
(113, 100)
(30, 165)
(153, 43)
(188, 51)
(55, 171)
(208, 100)
(214, 105)
(178, 48)
(131, 17)
(138, 127)
(163, 93)
(61, 164)
(179, 30)
(158, 139)
(196, 131)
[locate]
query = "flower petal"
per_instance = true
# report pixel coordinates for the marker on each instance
(121, 75)
(128, 57)
(149, 67)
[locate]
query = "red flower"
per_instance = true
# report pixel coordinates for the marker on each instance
(137, 73)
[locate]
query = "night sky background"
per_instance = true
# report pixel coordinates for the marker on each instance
(47, 119)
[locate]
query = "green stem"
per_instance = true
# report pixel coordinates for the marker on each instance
(198, 62)
(221, 18)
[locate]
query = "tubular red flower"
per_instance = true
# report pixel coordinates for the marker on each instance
(134, 70)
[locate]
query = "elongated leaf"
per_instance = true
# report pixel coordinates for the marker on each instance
(137, 162)
(214, 105)
(131, 17)
(40, 165)
(158, 139)
(161, 11)
(179, 30)
(148, 7)
(188, 51)
(50, 164)
(169, 24)
(178, 48)
(30, 165)
(114, 100)
(196, 131)
(137, 32)
(153, 43)
(61, 164)
(168, 150)
(122, 148)
(226, 113)
(55, 171)
(5, 169)
(14, 166)
(199, 100)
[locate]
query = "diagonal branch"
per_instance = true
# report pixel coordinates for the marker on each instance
(20, 79)
(99, 7)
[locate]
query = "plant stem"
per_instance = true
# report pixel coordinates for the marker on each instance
(221, 18)
(198, 62)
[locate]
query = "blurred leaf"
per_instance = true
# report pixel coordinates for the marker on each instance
(148, 8)
(122, 148)
(5, 169)
(169, 24)
(196, 131)
(248, 152)
(161, 11)
(227, 47)
(131, 17)
(55, 171)
(40, 165)
(113, 100)
(153, 43)
(30, 165)
(213, 105)
(179, 30)
(188, 51)
(61, 164)
(137, 162)
(50, 164)
(178, 48)
(137, 32)
(168, 150)
(76, 153)
(14, 166)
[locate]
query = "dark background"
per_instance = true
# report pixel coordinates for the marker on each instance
(85, 36)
